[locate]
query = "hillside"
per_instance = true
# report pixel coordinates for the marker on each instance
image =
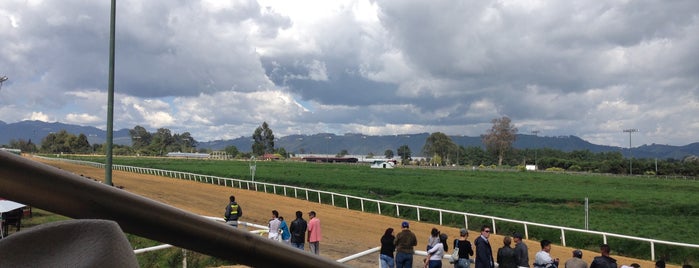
(359, 144)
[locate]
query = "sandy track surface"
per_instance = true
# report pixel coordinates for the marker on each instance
(345, 232)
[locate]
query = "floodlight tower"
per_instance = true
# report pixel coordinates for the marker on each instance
(2, 79)
(630, 130)
(536, 134)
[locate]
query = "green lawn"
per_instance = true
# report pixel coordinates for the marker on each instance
(634, 206)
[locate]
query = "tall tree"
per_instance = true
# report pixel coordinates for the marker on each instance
(388, 153)
(162, 141)
(404, 153)
(500, 137)
(140, 137)
(438, 144)
(263, 140)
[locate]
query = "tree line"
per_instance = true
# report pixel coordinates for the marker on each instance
(497, 151)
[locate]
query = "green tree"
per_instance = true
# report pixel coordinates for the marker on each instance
(388, 153)
(404, 153)
(263, 140)
(439, 144)
(25, 146)
(500, 137)
(342, 153)
(232, 151)
(81, 145)
(140, 137)
(59, 142)
(162, 140)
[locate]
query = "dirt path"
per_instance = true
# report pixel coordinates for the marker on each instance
(345, 232)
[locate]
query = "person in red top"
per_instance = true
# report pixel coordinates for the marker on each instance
(314, 234)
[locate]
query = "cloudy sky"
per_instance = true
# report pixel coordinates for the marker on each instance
(219, 68)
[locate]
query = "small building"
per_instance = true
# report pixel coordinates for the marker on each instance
(383, 164)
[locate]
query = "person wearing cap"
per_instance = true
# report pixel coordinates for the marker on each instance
(484, 253)
(543, 258)
(465, 250)
(604, 261)
(314, 234)
(521, 251)
(405, 243)
(576, 261)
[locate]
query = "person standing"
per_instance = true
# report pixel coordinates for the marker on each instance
(314, 234)
(576, 261)
(521, 251)
(298, 231)
(506, 254)
(605, 261)
(543, 258)
(405, 243)
(465, 250)
(433, 239)
(484, 253)
(436, 253)
(233, 212)
(284, 231)
(274, 226)
(387, 249)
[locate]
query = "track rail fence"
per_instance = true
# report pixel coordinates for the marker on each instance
(372, 205)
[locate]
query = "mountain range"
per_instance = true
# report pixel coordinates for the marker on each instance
(354, 143)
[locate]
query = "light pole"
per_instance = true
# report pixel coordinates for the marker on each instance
(536, 134)
(110, 98)
(2, 79)
(327, 157)
(630, 130)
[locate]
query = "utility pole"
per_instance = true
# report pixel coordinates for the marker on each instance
(536, 165)
(630, 130)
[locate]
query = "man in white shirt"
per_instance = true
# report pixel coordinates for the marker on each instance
(543, 258)
(274, 226)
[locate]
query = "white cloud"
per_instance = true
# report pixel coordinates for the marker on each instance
(219, 68)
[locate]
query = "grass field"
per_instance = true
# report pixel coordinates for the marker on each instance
(635, 206)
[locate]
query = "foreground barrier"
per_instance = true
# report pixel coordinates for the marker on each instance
(68, 194)
(317, 196)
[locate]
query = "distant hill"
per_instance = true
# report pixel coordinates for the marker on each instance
(359, 144)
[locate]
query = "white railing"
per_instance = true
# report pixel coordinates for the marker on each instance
(308, 195)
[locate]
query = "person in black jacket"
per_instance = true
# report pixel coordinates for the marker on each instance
(298, 231)
(387, 249)
(506, 254)
(233, 212)
(484, 254)
(603, 261)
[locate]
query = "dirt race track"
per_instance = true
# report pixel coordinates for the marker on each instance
(345, 232)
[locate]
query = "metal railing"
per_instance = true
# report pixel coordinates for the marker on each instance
(311, 194)
(71, 195)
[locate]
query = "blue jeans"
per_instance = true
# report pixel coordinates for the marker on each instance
(435, 264)
(462, 263)
(387, 261)
(404, 260)
(298, 245)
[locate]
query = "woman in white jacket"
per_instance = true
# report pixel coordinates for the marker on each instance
(436, 253)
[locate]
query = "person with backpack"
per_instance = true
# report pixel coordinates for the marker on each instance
(233, 212)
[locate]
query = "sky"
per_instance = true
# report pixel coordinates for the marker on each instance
(219, 69)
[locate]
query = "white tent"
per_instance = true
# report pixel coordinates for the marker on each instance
(7, 205)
